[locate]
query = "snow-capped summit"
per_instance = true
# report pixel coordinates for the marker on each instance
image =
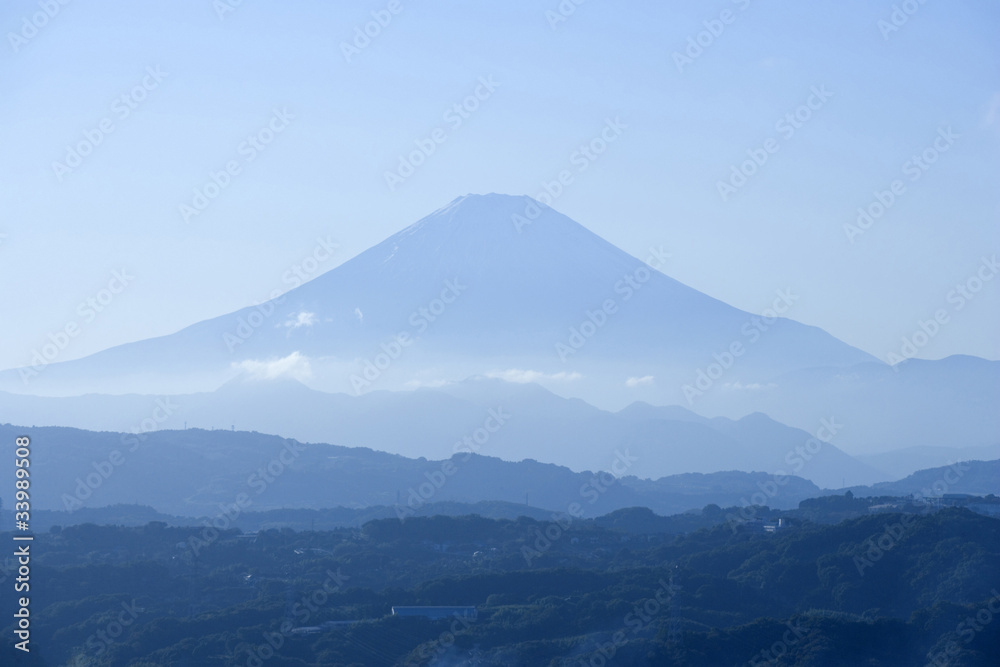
(506, 287)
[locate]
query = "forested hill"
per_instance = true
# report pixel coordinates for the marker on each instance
(877, 590)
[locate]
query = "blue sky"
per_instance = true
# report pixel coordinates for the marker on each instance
(344, 122)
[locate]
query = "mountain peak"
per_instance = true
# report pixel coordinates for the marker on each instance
(487, 282)
(499, 215)
(505, 244)
(493, 200)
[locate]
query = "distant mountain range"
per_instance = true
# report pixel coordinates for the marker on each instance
(979, 478)
(225, 473)
(902, 462)
(503, 286)
(491, 417)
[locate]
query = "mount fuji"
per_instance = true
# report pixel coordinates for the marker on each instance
(504, 286)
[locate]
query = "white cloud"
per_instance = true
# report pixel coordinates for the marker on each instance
(636, 381)
(522, 376)
(358, 314)
(295, 366)
(754, 386)
(303, 319)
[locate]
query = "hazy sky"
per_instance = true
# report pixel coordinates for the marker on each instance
(161, 95)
